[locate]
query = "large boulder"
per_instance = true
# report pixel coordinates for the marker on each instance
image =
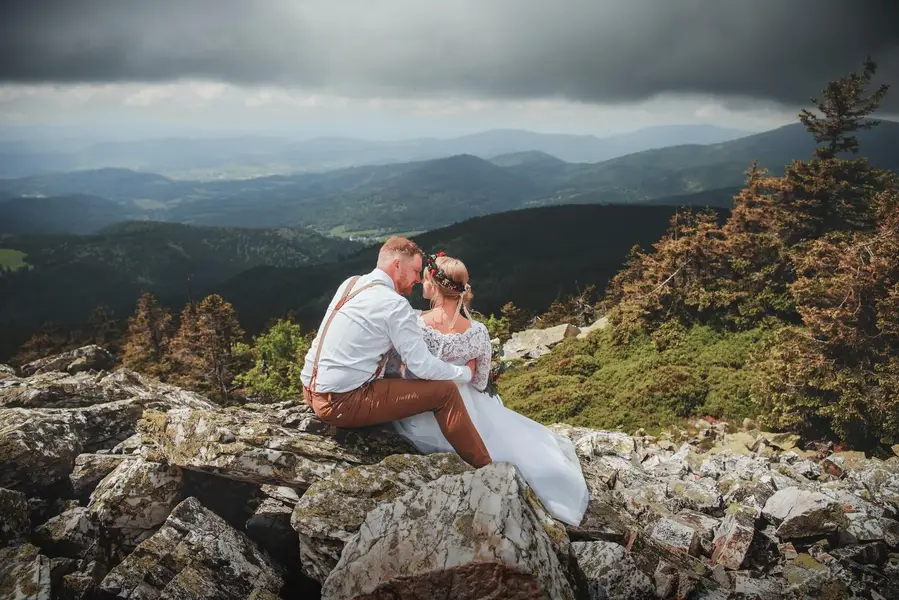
(50, 419)
(473, 535)
(802, 513)
(195, 555)
(245, 446)
(62, 390)
(72, 534)
(86, 358)
(24, 573)
(534, 343)
(135, 499)
(38, 446)
(330, 512)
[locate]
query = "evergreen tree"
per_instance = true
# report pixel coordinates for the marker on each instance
(147, 338)
(278, 356)
(202, 353)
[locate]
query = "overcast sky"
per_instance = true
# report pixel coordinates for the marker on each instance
(400, 68)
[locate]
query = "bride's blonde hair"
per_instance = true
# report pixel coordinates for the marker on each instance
(457, 273)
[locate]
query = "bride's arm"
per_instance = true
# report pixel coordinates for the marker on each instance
(482, 373)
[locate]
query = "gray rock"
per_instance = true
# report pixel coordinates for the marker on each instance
(802, 513)
(86, 358)
(611, 572)
(72, 533)
(6, 371)
(732, 542)
(590, 442)
(38, 447)
(467, 536)
(24, 573)
(534, 343)
(90, 469)
(135, 499)
(245, 446)
(15, 523)
(329, 514)
(195, 555)
(676, 536)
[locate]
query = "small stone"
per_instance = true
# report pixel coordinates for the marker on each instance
(732, 542)
(676, 536)
(807, 469)
(611, 572)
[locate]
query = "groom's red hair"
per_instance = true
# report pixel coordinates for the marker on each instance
(399, 245)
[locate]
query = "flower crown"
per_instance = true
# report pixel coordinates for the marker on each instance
(440, 277)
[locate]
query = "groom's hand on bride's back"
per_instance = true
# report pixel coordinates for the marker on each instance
(473, 365)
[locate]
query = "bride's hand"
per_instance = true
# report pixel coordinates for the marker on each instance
(473, 365)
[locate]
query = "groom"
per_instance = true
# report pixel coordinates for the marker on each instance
(367, 317)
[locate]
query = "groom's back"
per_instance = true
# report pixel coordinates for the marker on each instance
(357, 336)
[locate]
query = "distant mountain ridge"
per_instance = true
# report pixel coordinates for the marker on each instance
(427, 194)
(258, 155)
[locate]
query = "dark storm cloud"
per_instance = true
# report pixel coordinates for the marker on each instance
(585, 50)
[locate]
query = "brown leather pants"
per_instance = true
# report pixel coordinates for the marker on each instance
(386, 400)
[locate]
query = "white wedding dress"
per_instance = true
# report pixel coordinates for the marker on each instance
(547, 461)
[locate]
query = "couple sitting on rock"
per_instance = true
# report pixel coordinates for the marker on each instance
(377, 360)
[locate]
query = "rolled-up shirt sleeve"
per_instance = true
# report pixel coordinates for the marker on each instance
(406, 337)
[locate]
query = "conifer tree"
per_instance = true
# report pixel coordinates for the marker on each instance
(202, 353)
(147, 338)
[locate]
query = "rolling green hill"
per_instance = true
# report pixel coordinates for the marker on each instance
(74, 213)
(530, 256)
(429, 194)
(69, 275)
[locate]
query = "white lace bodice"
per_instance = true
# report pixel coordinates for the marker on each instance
(455, 348)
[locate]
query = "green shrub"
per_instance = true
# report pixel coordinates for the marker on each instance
(277, 357)
(596, 382)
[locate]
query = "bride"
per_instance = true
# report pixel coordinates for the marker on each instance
(546, 461)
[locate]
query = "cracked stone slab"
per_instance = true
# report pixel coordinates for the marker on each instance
(195, 555)
(467, 536)
(245, 446)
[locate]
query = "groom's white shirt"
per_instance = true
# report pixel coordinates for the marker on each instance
(367, 326)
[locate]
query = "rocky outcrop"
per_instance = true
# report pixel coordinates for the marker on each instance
(195, 555)
(86, 358)
(331, 511)
(49, 419)
(115, 485)
(247, 446)
(473, 535)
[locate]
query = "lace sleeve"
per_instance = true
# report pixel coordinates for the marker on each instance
(482, 337)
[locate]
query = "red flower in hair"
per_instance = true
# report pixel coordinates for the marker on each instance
(441, 254)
